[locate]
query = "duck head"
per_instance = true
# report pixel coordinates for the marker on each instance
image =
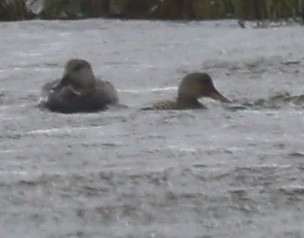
(197, 85)
(78, 77)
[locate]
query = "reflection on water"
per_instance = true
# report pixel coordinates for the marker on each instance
(229, 171)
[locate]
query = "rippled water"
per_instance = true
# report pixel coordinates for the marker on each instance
(229, 171)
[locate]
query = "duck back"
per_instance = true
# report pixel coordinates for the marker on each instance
(65, 100)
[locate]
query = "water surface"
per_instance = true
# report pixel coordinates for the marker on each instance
(229, 171)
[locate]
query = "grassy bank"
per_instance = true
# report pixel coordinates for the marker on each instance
(219, 9)
(157, 9)
(13, 10)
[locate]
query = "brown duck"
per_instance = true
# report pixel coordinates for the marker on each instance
(192, 87)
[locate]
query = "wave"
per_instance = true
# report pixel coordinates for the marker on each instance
(280, 100)
(144, 90)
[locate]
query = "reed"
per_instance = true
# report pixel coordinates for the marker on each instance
(219, 9)
(13, 10)
(71, 9)
(267, 9)
(160, 9)
(131, 8)
(246, 9)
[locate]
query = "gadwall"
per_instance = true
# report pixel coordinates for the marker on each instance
(78, 90)
(192, 87)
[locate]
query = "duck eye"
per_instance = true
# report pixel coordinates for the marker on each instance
(77, 67)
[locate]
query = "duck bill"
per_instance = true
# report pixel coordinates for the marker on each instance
(61, 84)
(75, 91)
(57, 87)
(218, 96)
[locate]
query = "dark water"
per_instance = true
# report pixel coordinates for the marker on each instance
(229, 171)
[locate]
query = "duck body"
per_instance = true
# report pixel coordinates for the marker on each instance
(192, 87)
(176, 105)
(78, 91)
(65, 100)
